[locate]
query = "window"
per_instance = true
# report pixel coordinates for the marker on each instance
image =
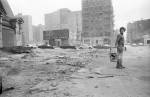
(87, 41)
(106, 41)
(107, 33)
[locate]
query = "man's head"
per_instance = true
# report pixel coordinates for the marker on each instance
(122, 30)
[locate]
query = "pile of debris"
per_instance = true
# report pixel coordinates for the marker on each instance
(21, 49)
(30, 55)
(75, 62)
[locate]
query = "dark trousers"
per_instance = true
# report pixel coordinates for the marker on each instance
(119, 57)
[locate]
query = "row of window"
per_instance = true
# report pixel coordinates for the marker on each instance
(97, 34)
(105, 41)
(96, 2)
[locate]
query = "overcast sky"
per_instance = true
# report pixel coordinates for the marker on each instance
(124, 10)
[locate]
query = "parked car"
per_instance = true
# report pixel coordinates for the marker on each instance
(46, 46)
(127, 44)
(85, 47)
(68, 47)
(140, 44)
(106, 45)
(134, 44)
(102, 46)
(31, 45)
(21, 49)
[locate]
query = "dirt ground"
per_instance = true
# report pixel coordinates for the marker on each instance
(75, 73)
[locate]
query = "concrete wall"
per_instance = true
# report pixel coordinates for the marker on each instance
(9, 37)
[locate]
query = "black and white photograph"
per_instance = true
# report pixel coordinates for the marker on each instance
(74, 48)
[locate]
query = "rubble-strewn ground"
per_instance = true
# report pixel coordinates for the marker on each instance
(75, 73)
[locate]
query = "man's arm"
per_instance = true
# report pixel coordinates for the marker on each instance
(116, 43)
(123, 42)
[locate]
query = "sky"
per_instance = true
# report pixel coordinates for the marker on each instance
(124, 10)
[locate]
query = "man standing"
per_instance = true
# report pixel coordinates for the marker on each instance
(120, 46)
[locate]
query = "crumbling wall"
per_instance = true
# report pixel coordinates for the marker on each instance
(8, 37)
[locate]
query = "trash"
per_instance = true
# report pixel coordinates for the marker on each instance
(54, 84)
(89, 77)
(4, 59)
(83, 70)
(67, 94)
(96, 86)
(30, 55)
(113, 54)
(106, 76)
(43, 87)
(8, 89)
(13, 71)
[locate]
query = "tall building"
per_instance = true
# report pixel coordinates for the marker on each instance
(97, 22)
(137, 30)
(9, 26)
(65, 19)
(57, 19)
(75, 25)
(27, 34)
(38, 34)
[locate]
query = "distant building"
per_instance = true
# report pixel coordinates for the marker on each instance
(146, 39)
(75, 25)
(57, 20)
(97, 22)
(9, 26)
(137, 30)
(65, 19)
(27, 34)
(38, 34)
(57, 37)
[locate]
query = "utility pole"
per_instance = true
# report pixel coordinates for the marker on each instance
(1, 37)
(78, 33)
(77, 23)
